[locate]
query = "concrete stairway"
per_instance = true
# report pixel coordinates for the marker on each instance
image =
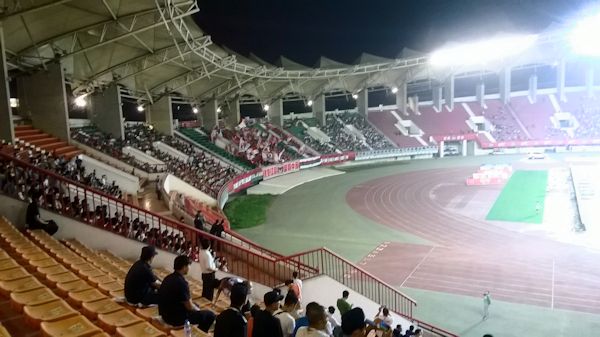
(33, 136)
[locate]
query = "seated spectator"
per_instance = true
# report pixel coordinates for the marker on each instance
(342, 303)
(265, 324)
(33, 219)
(141, 285)
(174, 303)
(397, 331)
(287, 315)
(418, 333)
(317, 322)
(353, 323)
(227, 283)
(231, 322)
(333, 322)
(383, 318)
(410, 331)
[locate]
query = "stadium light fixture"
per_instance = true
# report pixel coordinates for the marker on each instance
(140, 108)
(14, 102)
(394, 90)
(482, 52)
(218, 109)
(355, 96)
(195, 110)
(584, 36)
(310, 102)
(266, 107)
(80, 101)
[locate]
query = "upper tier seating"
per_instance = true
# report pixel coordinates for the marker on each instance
(587, 112)
(296, 128)
(51, 144)
(374, 139)
(204, 141)
(536, 117)
(342, 140)
(386, 122)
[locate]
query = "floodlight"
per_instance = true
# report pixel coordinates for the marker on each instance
(266, 107)
(140, 108)
(218, 109)
(584, 37)
(394, 90)
(80, 101)
(14, 102)
(355, 96)
(310, 102)
(195, 110)
(482, 52)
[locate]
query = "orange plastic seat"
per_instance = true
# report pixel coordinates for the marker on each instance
(77, 326)
(52, 270)
(43, 263)
(33, 297)
(8, 264)
(35, 256)
(90, 295)
(13, 274)
(21, 285)
(112, 286)
(62, 278)
(144, 329)
(82, 267)
(105, 306)
(91, 273)
(64, 288)
(195, 332)
(4, 255)
(148, 313)
(118, 294)
(48, 312)
(122, 318)
(101, 279)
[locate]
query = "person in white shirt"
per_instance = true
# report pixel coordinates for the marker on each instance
(285, 315)
(296, 280)
(208, 269)
(332, 322)
(317, 322)
(384, 316)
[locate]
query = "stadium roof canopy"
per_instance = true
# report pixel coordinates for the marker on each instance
(154, 48)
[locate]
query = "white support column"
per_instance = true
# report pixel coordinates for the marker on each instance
(437, 98)
(505, 85)
(362, 102)
(442, 149)
(560, 80)
(589, 81)
(233, 112)
(106, 112)
(449, 93)
(319, 109)
(210, 116)
(464, 147)
(480, 92)
(275, 112)
(161, 115)
(401, 98)
(7, 131)
(533, 86)
(413, 103)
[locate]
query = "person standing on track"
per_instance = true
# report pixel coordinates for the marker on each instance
(486, 304)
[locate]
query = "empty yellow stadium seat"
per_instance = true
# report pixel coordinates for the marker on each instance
(148, 313)
(63, 288)
(144, 329)
(43, 263)
(105, 306)
(52, 270)
(77, 326)
(8, 264)
(13, 274)
(122, 318)
(90, 295)
(112, 286)
(48, 312)
(33, 297)
(21, 285)
(61, 278)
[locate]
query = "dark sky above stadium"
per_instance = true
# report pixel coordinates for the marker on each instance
(302, 30)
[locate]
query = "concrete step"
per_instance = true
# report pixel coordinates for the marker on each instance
(45, 141)
(57, 144)
(24, 133)
(72, 154)
(65, 149)
(33, 137)
(24, 127)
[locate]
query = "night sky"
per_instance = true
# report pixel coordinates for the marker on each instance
(303, 30)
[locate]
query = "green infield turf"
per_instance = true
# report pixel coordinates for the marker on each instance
(517, 202)
(248, 211)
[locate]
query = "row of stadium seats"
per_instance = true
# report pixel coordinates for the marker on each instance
(70, 290)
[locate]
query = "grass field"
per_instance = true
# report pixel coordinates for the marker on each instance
(248, 211)
(519, 199)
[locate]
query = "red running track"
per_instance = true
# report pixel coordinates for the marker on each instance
(470, 256)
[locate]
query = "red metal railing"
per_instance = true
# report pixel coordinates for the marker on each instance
(243, 259)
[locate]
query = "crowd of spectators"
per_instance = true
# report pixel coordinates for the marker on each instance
(343, 140)
(375, 139)
(201, 170)
(256, 145)
(588, 116)
(295, 126)
(506, 127)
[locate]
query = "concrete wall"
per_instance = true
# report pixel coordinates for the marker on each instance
(172, 183)
(127, 182)
(106, 113)
(42, 97)
(6, 123)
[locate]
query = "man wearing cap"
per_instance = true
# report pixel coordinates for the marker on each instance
(141, 284)
(174, 301)
(265, 324)
(231, 322)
